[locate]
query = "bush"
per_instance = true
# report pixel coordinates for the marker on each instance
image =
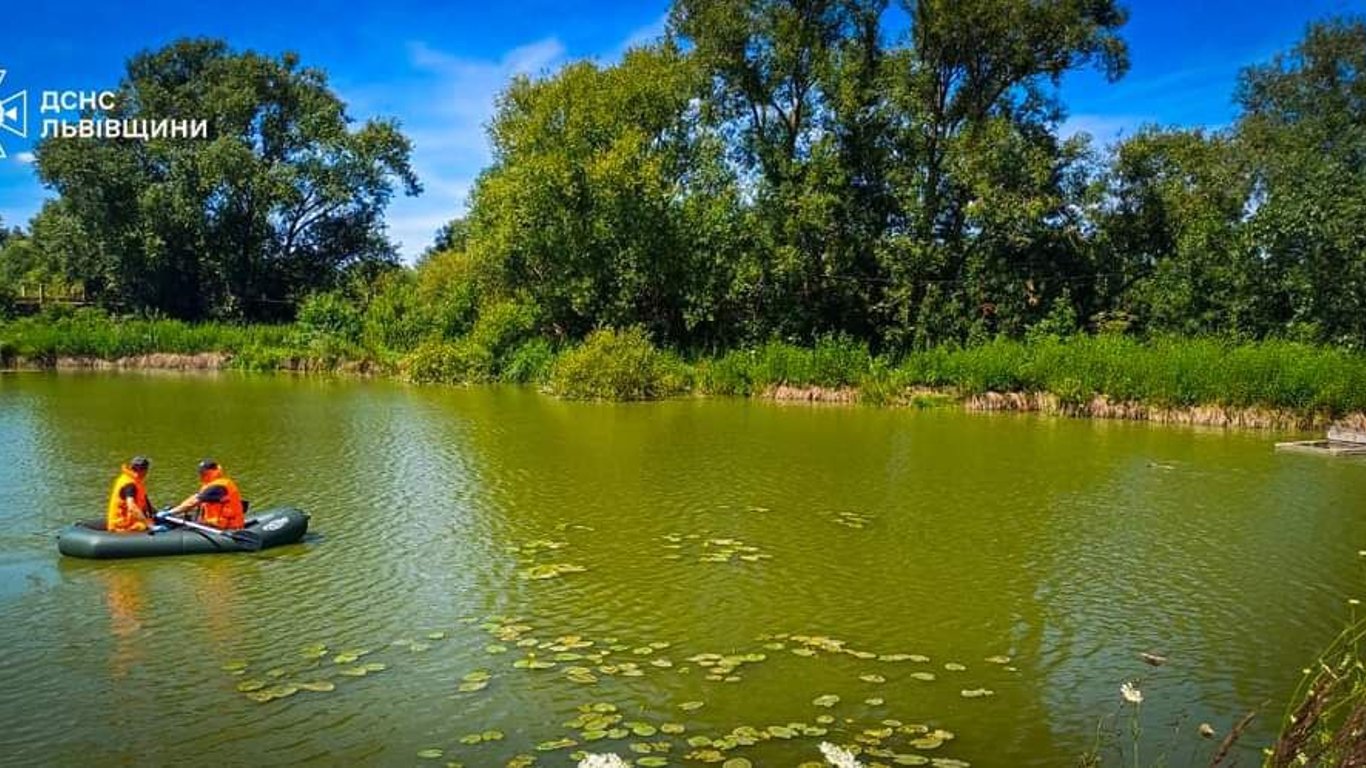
(446, 362)
(617, 365)
(330, 315)
(529, 363)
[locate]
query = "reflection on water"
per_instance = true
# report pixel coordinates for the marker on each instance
(838, 544)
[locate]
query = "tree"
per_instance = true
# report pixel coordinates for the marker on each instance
(606, 202)
(281, 199)
(1304, 128)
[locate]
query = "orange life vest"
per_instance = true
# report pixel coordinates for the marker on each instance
(117, 518)
(228, 513)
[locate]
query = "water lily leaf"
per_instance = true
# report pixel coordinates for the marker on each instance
(954, 666)
(374, 666)
(477, 676)
(247, 686)
(436, 635)
(236, 665)
(825, 719)
(344, 658)
(260, 696)
(549, 746)
(282, 691)
(803, 651)
(430, 754)
(997, 659)
(925, 676)
(875, 701)
(926, 742)
(643, 730)
(495, 648)
(949, 762)
(672, 728)
(617, 733)
(699, 741)
(781, 732)
(737, 762)
(492, 735)
(318, 686)
(827, 700)
(594, 734)
(872, 678)
(689, 706)
(904, 759)
(977, 693)
(473, 687)
(358, 670)
(472, 738)
(521, 761)
(652, 762)
(918, 659)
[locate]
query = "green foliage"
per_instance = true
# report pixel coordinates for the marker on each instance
(617, 365)
(446, 362)
(530, 363)
(281, 198)
(331, 316)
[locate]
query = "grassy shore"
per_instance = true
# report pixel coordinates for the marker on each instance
(1069, 374)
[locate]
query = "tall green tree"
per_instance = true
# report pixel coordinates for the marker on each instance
(1304, 128)
(283, 197)
(606, 202)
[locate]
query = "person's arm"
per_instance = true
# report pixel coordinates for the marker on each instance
(129, 498)
(191, 501)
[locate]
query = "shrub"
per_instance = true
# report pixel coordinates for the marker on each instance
(330, 315)
(617, 365)
(446, 362)
(529, 363)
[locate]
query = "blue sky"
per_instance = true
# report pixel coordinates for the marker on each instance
(437, 66)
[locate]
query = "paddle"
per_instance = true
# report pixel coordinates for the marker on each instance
(250, 540)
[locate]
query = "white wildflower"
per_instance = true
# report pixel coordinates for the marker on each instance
(839, 757)
(603, 761)
(1131, 693)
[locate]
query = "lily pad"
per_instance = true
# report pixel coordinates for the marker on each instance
(318, 686)
(472, 687)
(549, 746)
(234, 666)
(652, 762)
(954, 666)
(827, 700)
(737, 762)
(430, 754)
(672, 728)
(925, 676)
(689, 706)
(977, 693)
(247, 686)
(872, 678)
(875, 701)
(997, 659)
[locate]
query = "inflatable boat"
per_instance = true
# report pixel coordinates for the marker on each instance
(273, 528)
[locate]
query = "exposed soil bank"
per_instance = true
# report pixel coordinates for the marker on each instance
(1098, 407)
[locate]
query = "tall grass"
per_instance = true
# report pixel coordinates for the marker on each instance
(502, 345)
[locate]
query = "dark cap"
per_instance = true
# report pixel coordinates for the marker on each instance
(139, 463)
(207, 464)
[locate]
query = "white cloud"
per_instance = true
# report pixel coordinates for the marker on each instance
(27, 158)
(644, 35)
(445, 109)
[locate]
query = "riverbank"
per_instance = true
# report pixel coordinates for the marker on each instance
(1264, 385)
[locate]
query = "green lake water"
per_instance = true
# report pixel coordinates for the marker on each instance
(1067, 546)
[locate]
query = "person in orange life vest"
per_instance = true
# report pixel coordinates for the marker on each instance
(218, 500)
(129, 510)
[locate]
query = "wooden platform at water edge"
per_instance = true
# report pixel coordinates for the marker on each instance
(1341, 441)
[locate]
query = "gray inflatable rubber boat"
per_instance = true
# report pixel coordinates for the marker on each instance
(88, 538)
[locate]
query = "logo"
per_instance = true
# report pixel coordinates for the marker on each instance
(13, 114)
(274, 525)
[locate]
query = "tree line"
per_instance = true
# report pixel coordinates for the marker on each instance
(770, 169)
